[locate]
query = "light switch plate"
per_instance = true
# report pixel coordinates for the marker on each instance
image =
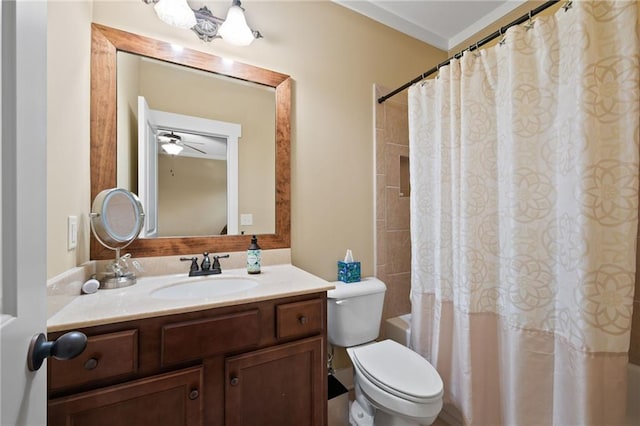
(246, 219)
(72, 232)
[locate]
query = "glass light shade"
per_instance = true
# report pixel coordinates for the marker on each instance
(176, 13)
(172, 148)
(234, 29)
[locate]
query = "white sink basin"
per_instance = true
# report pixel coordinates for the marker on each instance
(204, 287)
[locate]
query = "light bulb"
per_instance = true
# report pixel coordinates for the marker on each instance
(172, 148)
(176, 13)
(234, 29)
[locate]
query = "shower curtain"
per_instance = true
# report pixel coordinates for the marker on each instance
(524, 213)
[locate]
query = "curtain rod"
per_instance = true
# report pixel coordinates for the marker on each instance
(474, 46)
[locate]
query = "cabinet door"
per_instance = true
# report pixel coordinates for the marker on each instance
(168, 399)
(283, 385)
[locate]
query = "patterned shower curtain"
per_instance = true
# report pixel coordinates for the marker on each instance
(524, 214)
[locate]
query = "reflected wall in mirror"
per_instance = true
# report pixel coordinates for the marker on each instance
(224, 129)
(116, 158)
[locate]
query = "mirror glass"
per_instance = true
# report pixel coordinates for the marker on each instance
(253, 186)
(116, 217)
(222, 180)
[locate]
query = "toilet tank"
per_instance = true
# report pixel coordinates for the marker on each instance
(354, 312)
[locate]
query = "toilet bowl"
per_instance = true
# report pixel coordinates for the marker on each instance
(397, 381)
(394, 386)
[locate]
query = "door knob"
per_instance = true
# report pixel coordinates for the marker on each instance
(65, 347)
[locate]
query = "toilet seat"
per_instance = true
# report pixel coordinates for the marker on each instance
(399, 371)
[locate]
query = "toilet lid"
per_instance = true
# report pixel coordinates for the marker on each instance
(398, 370)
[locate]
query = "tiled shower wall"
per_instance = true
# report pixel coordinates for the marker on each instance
(393, 238)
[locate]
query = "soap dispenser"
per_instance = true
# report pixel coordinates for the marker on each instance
(253, 256)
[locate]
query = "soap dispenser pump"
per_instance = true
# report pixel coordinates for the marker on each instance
(253, 256)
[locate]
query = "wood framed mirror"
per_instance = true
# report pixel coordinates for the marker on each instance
(106, 43)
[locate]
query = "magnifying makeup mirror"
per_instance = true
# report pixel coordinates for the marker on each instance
(116, 220)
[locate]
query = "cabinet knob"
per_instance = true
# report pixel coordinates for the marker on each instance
(235, 381)
(90, 364)
(303, 320)
(194, 394)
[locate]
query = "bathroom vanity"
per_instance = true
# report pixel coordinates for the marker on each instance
(254, 357)
(257, 357)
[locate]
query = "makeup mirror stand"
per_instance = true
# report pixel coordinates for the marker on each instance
(117, 273)
(116, 220)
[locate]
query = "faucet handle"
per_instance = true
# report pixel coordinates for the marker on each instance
(216, 263)
(194, 262)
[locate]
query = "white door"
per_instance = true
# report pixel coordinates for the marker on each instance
(148, 167)
(23, 256)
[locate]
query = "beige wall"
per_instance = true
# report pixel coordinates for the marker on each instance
(334, 57)
(252, 106)
(193, 196)
(68, 191)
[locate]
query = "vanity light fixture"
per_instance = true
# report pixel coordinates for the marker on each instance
(176, 13)
(234, 29)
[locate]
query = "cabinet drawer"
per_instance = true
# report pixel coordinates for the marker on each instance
(189, 340)
(107, 355)
(299, 318)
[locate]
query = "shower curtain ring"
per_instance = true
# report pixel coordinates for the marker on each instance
(529, 24)
(502, 40)
(477, 51)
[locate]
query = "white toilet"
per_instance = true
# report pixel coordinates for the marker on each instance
(394, 386)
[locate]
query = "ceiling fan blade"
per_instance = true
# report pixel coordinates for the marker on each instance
(194, 148)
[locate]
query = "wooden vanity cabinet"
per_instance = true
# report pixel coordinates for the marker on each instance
(260, 363)
(277, 385)
(164, 399)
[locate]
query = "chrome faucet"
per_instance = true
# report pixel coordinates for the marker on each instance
(206, 267)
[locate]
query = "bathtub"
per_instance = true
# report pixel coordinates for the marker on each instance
(399, 329)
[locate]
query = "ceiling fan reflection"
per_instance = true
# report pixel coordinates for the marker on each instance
(172, 144)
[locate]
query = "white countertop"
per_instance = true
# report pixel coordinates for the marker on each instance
(135, 302)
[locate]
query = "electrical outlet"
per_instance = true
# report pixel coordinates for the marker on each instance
(246, 219)
(72, 232)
